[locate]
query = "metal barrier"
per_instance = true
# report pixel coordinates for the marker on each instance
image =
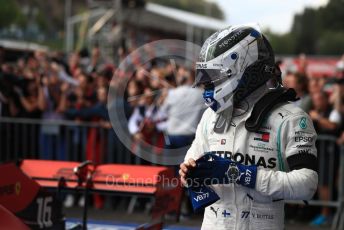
(61, 140)
(78, 141)
(331, 178)
(338, 222)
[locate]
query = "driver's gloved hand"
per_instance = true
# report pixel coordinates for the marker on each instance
(212, 169)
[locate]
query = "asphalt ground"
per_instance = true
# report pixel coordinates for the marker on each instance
(118, 218)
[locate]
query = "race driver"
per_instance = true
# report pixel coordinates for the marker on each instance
(266, 143)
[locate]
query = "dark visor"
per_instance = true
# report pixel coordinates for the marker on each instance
(208, 76)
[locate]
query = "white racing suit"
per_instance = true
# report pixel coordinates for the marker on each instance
(284, 151)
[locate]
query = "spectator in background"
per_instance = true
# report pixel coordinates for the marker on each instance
(52, 146)
(170, 78)
(73, 64)
(299, 82)
(95, 60)
(118, 152)
(303, 64)
(141, 78)
(315, 85)
(31, 100)
(156, 79)
(182, 115)
(145, 122)
(63, 75)
(338, 100)
(27, 100)
(326, 121)
(96, 138)
(133, 92)
(340, 67)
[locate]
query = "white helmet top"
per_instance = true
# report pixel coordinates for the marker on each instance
(233, 62)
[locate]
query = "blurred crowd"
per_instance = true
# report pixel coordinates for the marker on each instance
(49, 87)
(52, 86)
(44, 85)
(161, 105)
(166, 107)
(323, 99)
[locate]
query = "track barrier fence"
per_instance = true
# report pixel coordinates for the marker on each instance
(80, 141)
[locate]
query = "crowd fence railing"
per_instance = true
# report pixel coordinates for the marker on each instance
(22, 138)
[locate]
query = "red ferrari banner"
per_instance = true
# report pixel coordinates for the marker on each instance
(159, 182)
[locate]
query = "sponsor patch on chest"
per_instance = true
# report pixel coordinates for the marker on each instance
(262, 136)
(261, 147)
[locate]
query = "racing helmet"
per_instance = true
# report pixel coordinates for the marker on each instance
(233, 62)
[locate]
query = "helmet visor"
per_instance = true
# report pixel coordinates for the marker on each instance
(209, 74)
